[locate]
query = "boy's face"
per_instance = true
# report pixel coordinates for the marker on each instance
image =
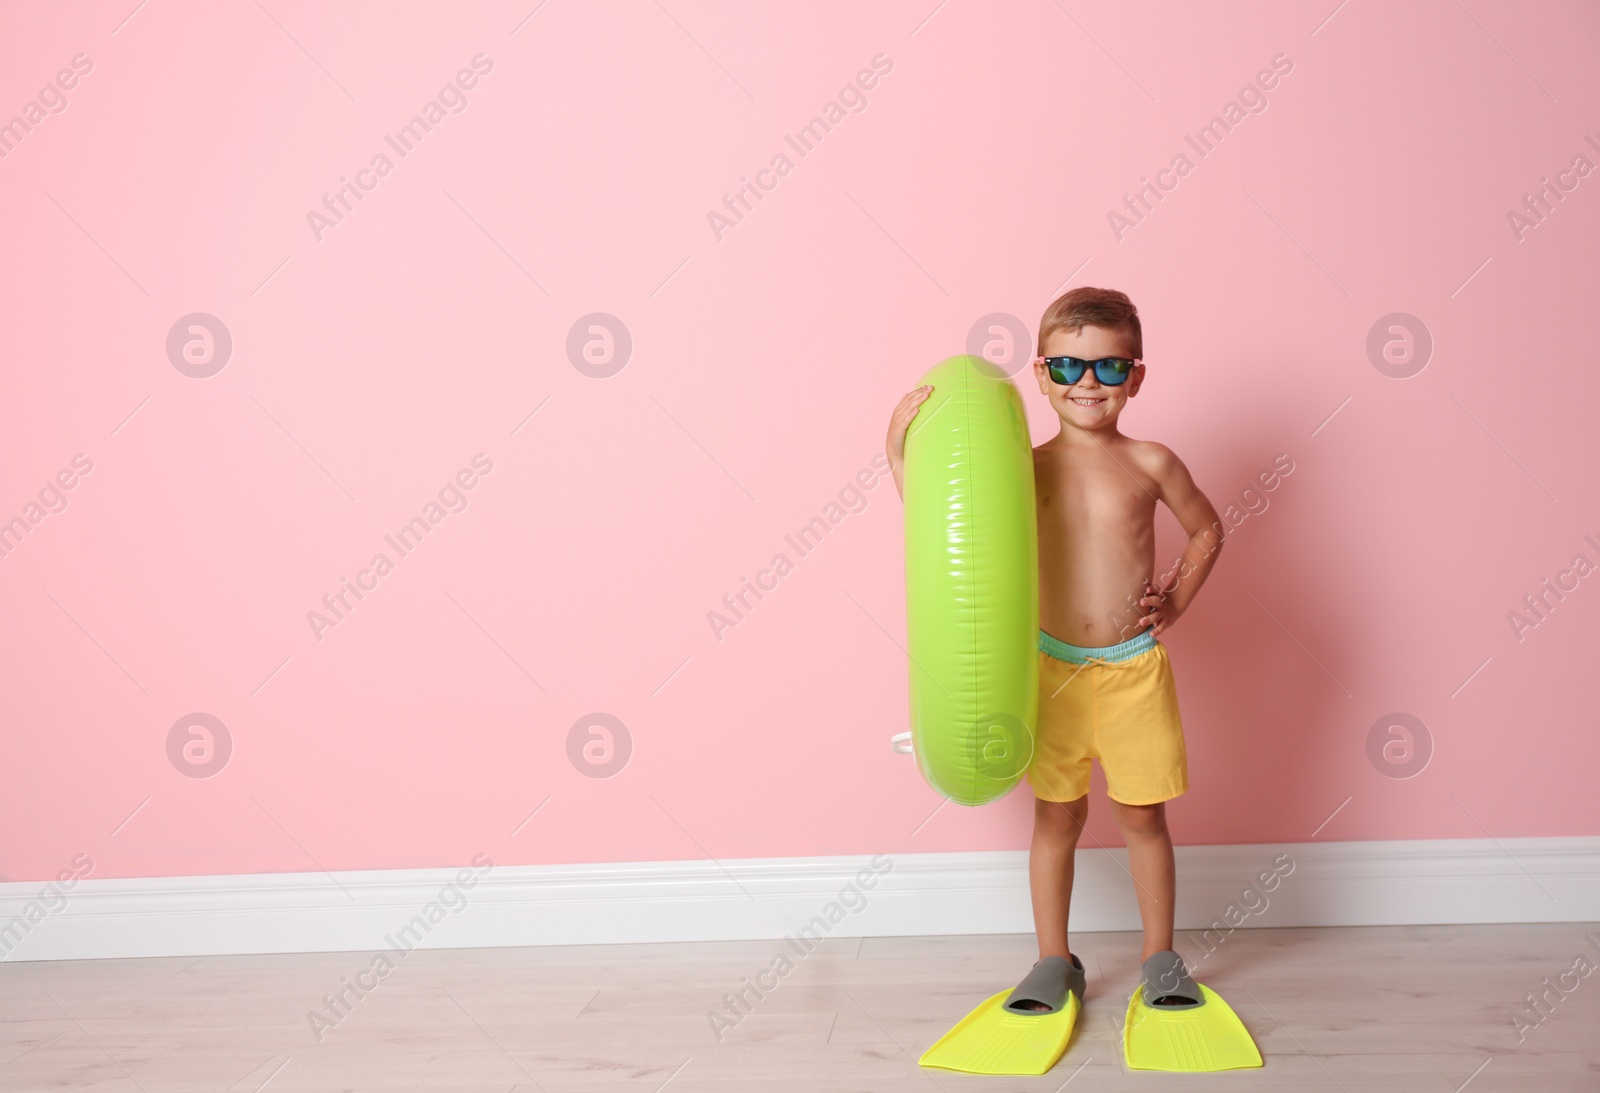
(1088, 404)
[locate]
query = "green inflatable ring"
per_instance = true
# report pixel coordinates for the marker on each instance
(972, 583)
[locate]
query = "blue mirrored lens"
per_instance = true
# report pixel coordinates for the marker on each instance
(1068, 372)
(1112, 371)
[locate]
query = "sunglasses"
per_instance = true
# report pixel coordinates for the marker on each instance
(1111, 371)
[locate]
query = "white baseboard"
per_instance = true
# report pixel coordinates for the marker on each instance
(1317, 884)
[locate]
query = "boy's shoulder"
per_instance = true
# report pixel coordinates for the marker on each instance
(1152, 455)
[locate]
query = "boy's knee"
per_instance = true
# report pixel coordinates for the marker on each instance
(1066, 817)
(1142, 819)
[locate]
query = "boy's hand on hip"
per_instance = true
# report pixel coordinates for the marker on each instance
(1160, 613)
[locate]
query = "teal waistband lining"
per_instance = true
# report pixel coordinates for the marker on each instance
(1079, 654)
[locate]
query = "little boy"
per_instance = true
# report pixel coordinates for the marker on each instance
(1105, 683)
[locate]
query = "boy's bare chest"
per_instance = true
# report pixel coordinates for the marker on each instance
(1117, 495)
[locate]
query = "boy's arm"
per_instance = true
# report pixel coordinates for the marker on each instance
(1176, 489)
(899, 425)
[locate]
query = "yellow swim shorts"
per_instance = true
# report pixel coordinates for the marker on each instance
(1116, 703)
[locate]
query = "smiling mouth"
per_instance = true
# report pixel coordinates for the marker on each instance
(1088, 401)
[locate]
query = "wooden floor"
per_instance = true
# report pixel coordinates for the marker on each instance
(1405, 1009)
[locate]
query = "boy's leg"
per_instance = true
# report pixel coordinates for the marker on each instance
(1056, 827)
(1144, 829)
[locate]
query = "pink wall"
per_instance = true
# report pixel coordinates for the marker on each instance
(374, 360)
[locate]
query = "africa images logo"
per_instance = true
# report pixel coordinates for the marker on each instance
(852, 97)
(452, 99)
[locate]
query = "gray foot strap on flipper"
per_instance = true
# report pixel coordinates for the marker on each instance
(1049, 983)
(1164, 976)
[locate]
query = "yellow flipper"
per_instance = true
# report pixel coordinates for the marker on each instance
(1208, 1037)
(992, 1040)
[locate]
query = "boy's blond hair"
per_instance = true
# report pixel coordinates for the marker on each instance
(1088, 306)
